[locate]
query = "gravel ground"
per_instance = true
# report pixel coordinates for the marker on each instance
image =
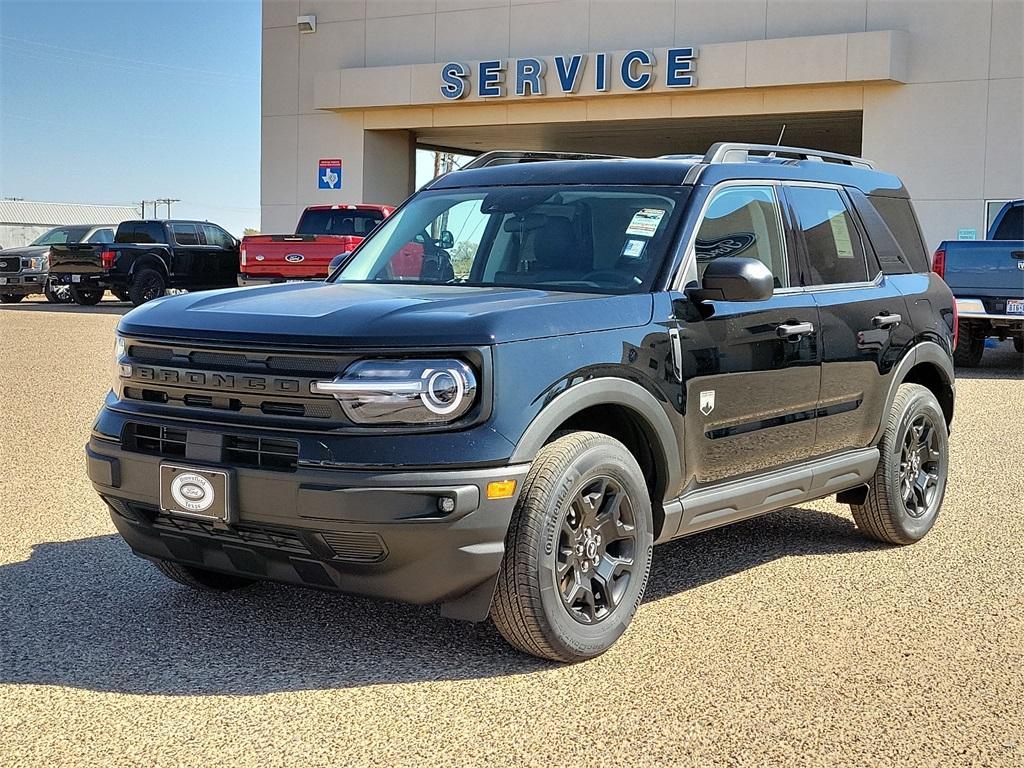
(788, 640)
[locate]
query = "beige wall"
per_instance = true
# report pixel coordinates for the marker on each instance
(941, 84)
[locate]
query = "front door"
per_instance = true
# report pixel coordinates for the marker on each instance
(750, 370)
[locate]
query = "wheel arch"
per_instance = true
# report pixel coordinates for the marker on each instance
(147, 260)
(929, 365)
(621, 409)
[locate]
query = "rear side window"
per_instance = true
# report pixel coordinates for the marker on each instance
(140, 232)
(835, 253)
(743, 221)
(899, 217)
(185, 234)
(1011, 227)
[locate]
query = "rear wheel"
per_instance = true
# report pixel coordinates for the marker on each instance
(201, 579)
(11, 298)
(86, 297)
(578, 550)
(57, 294)
(121, 294)
(970, 346)
(147, 284)
(906, 493)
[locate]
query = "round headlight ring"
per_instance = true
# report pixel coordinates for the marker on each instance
(437, 396)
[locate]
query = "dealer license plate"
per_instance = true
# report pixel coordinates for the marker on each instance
(194, 492)
(1015, 307)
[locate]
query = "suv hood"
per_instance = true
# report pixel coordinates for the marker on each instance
(25, 251)
(374, 315)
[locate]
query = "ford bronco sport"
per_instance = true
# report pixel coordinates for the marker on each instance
(596, 356)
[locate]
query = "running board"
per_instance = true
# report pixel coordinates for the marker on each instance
(740, 499)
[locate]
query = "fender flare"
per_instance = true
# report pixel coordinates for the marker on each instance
(144, 260)
(923, 352)
(606, 391)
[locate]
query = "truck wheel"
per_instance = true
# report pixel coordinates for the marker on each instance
(148, 284)
(57, 294)
(200, 579)
(121, 294)
(578, 550)
(970, 346)
(86, 297)
(906, 493)
(11, 298)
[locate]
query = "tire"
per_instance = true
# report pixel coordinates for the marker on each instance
(11, 298)
(200, 579)
(970, 347)
(121, 294)
(146, 285)
(1018, 344)
(896, 510)
(57, 294)
(555, 531)
(85, 297)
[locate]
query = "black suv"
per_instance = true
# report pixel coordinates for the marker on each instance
(531, 373)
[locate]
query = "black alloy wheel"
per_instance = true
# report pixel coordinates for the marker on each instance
(85, 297)
(148, 284)
(920, 464)
(596, 550)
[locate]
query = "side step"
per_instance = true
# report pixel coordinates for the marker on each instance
(708, 508)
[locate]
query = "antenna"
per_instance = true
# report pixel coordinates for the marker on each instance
(781, 134)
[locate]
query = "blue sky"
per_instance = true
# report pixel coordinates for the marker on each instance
(113, 102)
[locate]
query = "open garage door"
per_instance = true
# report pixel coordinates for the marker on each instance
(832, 131)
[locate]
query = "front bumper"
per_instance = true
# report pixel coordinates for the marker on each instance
(23, 284)
(373, 532)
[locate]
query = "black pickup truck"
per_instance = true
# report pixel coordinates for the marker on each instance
(146, 258)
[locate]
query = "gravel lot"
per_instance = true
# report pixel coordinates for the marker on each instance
(784, 640)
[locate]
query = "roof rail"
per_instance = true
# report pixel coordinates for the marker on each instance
(511, 157)
(731, 152)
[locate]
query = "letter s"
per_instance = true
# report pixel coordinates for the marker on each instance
(453, 77)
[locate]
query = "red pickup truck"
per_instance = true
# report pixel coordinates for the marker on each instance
(323, 232)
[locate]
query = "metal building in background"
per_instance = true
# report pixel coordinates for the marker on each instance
(22, 221)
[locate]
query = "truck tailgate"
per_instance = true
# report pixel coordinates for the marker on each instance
(76, 259)
(985, 268)
(293, 257)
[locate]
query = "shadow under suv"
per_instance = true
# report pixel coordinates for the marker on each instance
(591, 356)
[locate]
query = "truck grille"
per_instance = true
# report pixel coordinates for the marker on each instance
(249, 383)
(10, 264)
(274, 454)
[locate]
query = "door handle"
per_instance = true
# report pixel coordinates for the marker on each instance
(886, 320)
(791, 330)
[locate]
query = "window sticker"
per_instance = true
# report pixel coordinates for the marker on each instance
(633, 249)
(645, 222)
(841, 234)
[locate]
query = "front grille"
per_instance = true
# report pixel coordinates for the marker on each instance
(10, 264)
(268, 537)
(357, 547)
(273, 454)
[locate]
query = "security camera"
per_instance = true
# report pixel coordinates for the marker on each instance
(306, 24)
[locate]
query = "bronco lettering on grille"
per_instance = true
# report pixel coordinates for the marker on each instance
(209, 380)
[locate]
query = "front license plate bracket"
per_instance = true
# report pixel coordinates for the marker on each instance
(198, 493)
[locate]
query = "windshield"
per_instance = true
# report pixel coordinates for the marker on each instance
(61, 235)
(598, 239)
(342, 221)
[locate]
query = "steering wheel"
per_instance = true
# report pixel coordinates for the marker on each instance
(609, 276)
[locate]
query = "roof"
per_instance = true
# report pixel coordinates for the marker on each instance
(57, 214)
(650, 171)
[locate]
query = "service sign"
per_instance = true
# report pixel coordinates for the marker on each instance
(328, 174)
(636, 70)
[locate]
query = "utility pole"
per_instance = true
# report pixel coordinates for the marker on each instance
(166, 201)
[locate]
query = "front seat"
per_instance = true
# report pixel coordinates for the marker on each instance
(557, 252)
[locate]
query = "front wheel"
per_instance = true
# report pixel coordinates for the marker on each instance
(578, 550)
(201, 579)
(147, 284)
(85, 297)
(905, 496)
(11, 298)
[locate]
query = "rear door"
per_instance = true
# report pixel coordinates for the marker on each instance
(863, 316)
(750, 369)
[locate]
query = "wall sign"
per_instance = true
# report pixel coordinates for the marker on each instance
(328, 174)
(636, 71)
(967, 233)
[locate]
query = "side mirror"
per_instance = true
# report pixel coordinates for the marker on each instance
(338, 260)
(735, 278)
(447, 239)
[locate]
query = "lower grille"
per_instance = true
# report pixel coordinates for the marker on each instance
(274, 454)
(237, 534)
(356, 547)
(154, 440)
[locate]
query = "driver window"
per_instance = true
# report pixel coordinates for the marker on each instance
(744, 221)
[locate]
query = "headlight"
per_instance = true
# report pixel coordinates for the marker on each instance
(403, 391)
(121, 370)
(38, 263)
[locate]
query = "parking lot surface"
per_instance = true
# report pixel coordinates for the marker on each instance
(788, 639)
